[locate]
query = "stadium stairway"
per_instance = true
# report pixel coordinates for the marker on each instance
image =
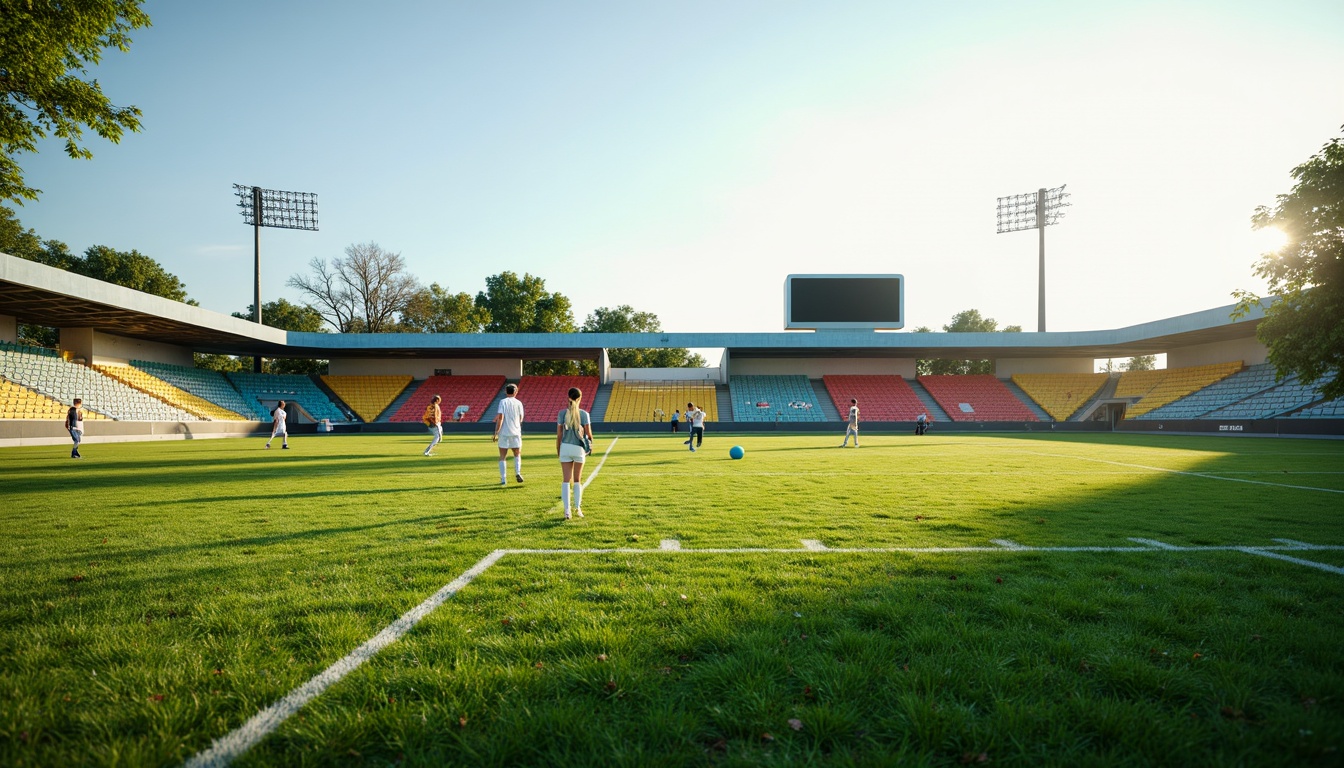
(600, 401)
(386, 416)
(493, 410)
(1107, 392)
(824, 401)
(936, 412)
(723, 399)
(1026, 399)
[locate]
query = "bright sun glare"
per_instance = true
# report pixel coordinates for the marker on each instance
(1269, 239)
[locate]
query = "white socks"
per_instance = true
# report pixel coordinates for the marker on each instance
(503, 467)
(578, 495)
(564, 496)
(518, 464)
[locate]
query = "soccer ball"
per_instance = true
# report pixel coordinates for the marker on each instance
(736, 452)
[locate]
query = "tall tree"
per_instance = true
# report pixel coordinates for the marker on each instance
(435, 310)
(131, 269)
(624, 319)
(289, 317)
(362, 292)
(968, 321)
(1304, 327)
(46, 50)
(522, 305)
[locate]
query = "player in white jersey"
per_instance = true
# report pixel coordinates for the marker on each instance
(509, 433)
(853, 427)
(278, 426)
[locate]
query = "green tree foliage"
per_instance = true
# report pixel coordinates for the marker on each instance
(968, 321)
(523, 305)
(221, 363)
(289, 317)
(23, 243)
(624, 319)
(131, 269)
(46, 50)
(1304, 327)
(435, 310)
(1141, 363)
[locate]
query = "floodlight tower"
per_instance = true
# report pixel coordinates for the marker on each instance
(1034, 210)
(272, 208)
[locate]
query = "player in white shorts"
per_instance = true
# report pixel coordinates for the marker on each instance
(852, 429)
(509, 433)
(278, 426)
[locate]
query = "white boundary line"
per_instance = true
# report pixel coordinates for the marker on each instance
(232, 745)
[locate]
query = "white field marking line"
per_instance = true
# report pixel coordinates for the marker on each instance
(1294, 543)
(232, 745)
(605, 454)
(669, 545)
(1297, 560)
(812, 545)
(1154, 543)
(1006, 544)
(1188, 473)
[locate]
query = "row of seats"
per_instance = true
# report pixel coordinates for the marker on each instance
(472, 393)
(64, 381)
(162, 390)
(881, 398)
(293, 387)
(20, 402)
(1249, 381)
(1061, 394)
(1157, 388)
(1289, 396)
(979, 397)
(657, 400)
(206, 384)
(545, 396)
(367, 396)
(774, 398)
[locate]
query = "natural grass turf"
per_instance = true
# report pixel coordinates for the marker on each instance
(156, 595)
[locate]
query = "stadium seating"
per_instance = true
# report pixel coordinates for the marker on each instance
(53, 376)
(475, 392)
(545, 396)
(639, 400)
(881, 398)
(162, 390)
(1224, 392)
(20, 402)
(206, 384)
(1157, 388)
(1060, 394)
(774, 398)
(1281, 400)
(367, 396)
(256, 387)
(1331, 409)
(984, 398)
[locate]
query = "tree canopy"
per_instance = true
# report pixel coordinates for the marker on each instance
(435, 310)
(624, 319)
(46, 50)
(523, 305)
(967, 321)
(286, 316)
(1304, 327)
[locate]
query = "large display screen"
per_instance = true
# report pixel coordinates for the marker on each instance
(844, 301)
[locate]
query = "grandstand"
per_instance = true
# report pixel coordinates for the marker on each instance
(48, 374)
(475, 392)
(976, 398)
(162, 390)
(774, 398)
(1155, 389)
(20, 402)
(1060, 394)
(881, 398)
(1276, 402)
(545, 396)
(208, 385)
(1249, 381)
(367, 396)
(262, 388)
(656, 400)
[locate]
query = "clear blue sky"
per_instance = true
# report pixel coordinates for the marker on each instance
(684, 157)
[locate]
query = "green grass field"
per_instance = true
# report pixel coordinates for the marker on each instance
(156, 596)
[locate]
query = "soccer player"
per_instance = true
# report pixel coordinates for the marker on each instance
(853, 427)
(278, 426)
(509, 433)
(434, 420)
(696, 417)
(572, 426)
(74, 423)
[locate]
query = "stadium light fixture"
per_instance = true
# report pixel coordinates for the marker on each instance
(1034, 210)
(272, 208)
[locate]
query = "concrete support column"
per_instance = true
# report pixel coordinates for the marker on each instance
(78, 342)
(9, 329)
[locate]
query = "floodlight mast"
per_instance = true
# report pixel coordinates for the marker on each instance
(1033, 211)
(272, 208)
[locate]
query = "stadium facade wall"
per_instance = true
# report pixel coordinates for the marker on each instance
(1006, 367)
(18, 432)
(9, 329)
(816, 367)
(98, 348)
(1249, 351)
(667, 374)
(424, 368)
(1238, 427)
